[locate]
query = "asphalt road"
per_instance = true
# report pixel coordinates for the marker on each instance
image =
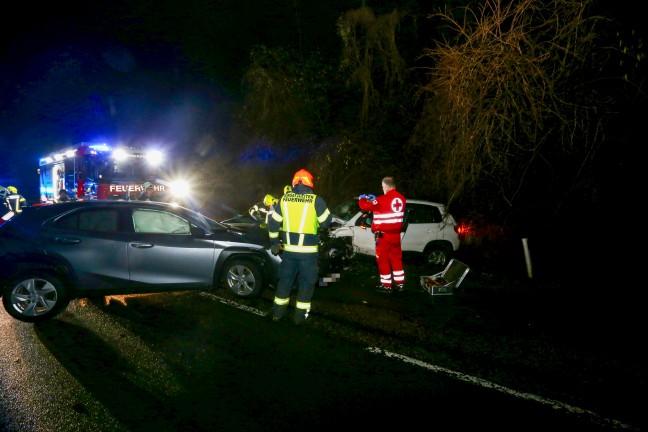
(202, 362)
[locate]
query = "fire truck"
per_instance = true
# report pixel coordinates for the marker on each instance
(90, 171)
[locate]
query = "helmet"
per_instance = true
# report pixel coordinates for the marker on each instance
(147, 185)
(268, 200)
(12, 190)
(287, 189)
(303, 176)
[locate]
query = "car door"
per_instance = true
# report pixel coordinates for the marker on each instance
(363, 238)
(162, 251)
(91, 241)
(424, 225)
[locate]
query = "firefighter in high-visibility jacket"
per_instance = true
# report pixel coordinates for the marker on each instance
(269, 202)
(299, 215)
(15, 201)
(261, 211)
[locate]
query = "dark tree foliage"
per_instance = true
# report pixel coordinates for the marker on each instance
(517, 110)
(506, 111)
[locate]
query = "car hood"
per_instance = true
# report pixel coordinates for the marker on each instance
(337, 219)
(253, 232)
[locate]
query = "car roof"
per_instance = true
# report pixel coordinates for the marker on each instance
(56, 208)
(43, 212)
(420, 201)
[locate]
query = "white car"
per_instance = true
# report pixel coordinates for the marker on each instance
(430, 230)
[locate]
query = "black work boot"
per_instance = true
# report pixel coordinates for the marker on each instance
(384, 289)
(278, 313)
(301, 315)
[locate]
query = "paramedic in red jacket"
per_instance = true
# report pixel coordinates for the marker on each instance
(388, 214)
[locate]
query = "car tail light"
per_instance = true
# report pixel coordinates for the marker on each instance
(462, 229)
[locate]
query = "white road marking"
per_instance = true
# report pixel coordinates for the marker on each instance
(462, 377)
(234, 304)
(487, 384)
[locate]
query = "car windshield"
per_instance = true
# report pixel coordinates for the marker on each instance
(207, 222)
(346, 210)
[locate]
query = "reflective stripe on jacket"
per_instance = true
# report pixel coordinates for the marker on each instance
(388, 211)
(15, 201)
(297, 217)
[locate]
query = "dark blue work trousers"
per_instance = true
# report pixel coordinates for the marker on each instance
(303, 268)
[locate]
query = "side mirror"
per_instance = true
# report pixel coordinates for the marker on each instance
(198, 232)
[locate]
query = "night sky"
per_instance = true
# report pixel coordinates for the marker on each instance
(164, 71)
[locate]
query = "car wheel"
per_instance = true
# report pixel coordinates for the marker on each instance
(437, 255)
(243, 278)
(32, 297)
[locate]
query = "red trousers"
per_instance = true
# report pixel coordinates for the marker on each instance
(389, 257)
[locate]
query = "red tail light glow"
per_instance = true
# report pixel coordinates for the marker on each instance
(462, 229)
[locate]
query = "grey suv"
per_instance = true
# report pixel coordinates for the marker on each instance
(54, 253)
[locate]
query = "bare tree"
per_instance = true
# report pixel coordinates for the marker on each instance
(513, 96)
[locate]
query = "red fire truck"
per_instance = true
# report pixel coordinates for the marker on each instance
(100, 171)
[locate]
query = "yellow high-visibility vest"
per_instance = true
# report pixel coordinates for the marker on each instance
(299, 222)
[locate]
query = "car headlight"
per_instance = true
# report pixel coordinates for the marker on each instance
(179, 188)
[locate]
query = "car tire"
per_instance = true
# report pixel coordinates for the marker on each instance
(437, 255)
(35, 296)
(243, 277)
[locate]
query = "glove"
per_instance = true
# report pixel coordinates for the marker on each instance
(371, 197)
(363, 196)
(275, 249)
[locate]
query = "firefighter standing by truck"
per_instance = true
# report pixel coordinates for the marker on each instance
(15, 201)
(63, 196)
(299, 215)
(148, 193)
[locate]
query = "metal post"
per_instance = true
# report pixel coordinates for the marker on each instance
(527, 257)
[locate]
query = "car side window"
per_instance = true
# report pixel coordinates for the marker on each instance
(153, 221)
(98, 220)
(419, 214)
